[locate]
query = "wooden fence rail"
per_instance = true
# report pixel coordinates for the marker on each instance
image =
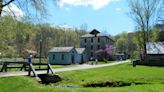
(30, 67)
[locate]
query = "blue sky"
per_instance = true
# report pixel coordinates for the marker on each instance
(108, 17)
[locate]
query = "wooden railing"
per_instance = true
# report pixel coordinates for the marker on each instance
(30, 67)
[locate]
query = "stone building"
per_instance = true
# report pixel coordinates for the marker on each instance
(94, 42)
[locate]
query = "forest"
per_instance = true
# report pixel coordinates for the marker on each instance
(17, 36)
(131, 43)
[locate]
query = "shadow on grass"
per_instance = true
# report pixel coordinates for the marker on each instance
(112, 84)
(47, 78)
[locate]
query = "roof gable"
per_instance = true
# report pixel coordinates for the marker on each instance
(94, 32)
(80, 50)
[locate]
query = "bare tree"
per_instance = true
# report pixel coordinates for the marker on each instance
(142, 12)
(2, 5)
(29, 7)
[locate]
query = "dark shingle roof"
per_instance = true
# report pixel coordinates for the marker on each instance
(94, 32)
(61, 49)
(155, 48)
(80, 50)
(97, 33)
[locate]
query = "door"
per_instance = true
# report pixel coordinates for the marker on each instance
(82, 59)
(73, 59)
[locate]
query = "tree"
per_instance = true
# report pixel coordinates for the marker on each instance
(128, 43)
(122, 43)
(160, 36)
(22, 32)
(142, 12)
(3, 4)
(7, 34)
(27, 6)
(17, 36)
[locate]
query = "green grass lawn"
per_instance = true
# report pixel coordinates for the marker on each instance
(124, 72)
(73, 81)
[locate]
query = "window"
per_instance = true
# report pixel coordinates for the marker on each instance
(91, 39)
(91, 54)
(62, 57)
(98, 46)
(53, 57)
(91, 47)
(98, 39)
(85, 40)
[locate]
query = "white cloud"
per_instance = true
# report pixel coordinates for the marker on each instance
(67, 27)
(96, 4)
(64, 27)
(12, 10)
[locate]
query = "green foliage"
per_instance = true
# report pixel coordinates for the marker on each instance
(132, 43)
(160, 36)
(121, 43)
(126, 43)
(7, 35)
(16, 37)
(154, 35)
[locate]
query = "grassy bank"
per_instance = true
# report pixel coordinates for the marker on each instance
(124, 72)
(28, 84)
(73, 81)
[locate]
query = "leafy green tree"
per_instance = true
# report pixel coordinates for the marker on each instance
(121, 43)
(160, 36)
(16, 37)
(7, 34)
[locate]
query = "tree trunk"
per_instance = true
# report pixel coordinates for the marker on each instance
(0, 12)
(1, 8)
(3, 5)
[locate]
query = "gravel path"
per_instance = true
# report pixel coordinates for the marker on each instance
(77, 67)
(86, 66)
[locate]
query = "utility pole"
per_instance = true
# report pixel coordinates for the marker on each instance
(40, 55)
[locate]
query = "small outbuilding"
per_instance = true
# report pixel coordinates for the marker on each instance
(62, 55)
(81, 56)
(155, 53)
(67, 55)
